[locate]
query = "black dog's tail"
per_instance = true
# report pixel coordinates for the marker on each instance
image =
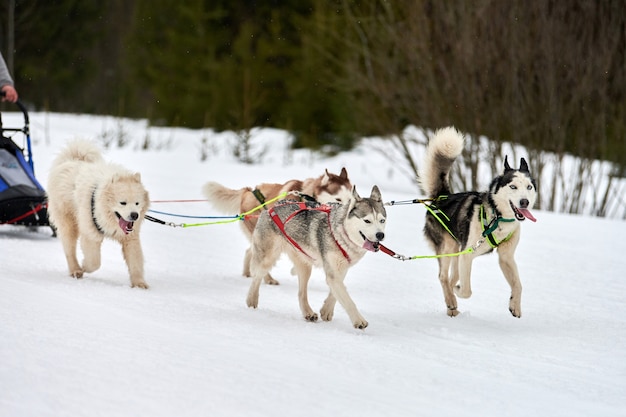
(443, 148)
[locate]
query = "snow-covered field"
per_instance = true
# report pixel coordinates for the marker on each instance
(189, 346)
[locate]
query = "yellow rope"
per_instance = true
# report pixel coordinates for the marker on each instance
(241, 216)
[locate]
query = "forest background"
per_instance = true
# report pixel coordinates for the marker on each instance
(545, 74)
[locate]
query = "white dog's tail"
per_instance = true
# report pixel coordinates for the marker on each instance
(443, 148)
(80, 150)
(224, 199)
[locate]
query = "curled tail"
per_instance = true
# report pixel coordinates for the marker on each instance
(80, 150)
(443, 148)
(224, 199)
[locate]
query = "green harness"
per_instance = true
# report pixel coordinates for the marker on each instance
(488, 227)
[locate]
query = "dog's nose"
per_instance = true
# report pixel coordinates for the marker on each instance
(380, 236)
(134, 215)
(523, 203)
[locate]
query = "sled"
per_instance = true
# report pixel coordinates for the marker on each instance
(22, 198)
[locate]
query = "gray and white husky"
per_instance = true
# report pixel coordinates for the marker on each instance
(326, 188)
(332, 236)
(482, 221)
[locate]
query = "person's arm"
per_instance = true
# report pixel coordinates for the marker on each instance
(6, 83)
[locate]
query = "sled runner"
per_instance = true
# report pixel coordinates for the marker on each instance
(22, 198)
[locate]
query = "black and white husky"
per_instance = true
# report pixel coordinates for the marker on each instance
(473, 223)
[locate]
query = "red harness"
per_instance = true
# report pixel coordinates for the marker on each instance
(304, 207)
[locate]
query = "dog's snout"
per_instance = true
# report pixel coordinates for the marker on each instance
(134, 215)
(380, 236)
(523, 203)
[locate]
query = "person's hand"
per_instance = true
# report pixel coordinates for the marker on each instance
(10, 94)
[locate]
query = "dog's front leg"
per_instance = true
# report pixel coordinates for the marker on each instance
(509, 269)
(91, 251)
(133, 255)
(334, 279)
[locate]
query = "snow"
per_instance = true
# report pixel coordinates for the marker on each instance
(189, 346)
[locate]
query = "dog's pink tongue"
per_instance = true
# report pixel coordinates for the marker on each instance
(127, 227)
(527, 214)
(370, 246)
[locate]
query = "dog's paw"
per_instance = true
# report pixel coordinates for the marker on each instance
(516, 311)
(462, 292)
(452, 311)
(140, 284)
(78, 274)
(252, 301)
(327, 314)
(311, 317)
(360, 324)
(515, 308)
(270, 281)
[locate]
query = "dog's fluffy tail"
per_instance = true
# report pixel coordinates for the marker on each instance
(80, 150)
(224, 199)
(444, 147)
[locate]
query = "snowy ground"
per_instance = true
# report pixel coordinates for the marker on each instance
(189, 346)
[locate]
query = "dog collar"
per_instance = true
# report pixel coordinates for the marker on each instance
(93, 212)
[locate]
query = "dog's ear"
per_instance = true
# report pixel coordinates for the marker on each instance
(325, 178)
(375, 194)
(146, 196)
(353, 199)
(507, 167)
(343, 174)
(137, 177)
(523, 166)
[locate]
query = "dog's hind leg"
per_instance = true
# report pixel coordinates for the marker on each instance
(246, 269)
(328, 308)
(262, 257)
(334, 279)
(67, 231)
(446, 285)
(304, 274)
(464, 288)
(246, 263)
(253, 293)
(303, 271)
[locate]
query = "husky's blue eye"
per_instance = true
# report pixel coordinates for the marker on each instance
(530, 187)
(513, 187)
(382, 220)
(123, 203)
